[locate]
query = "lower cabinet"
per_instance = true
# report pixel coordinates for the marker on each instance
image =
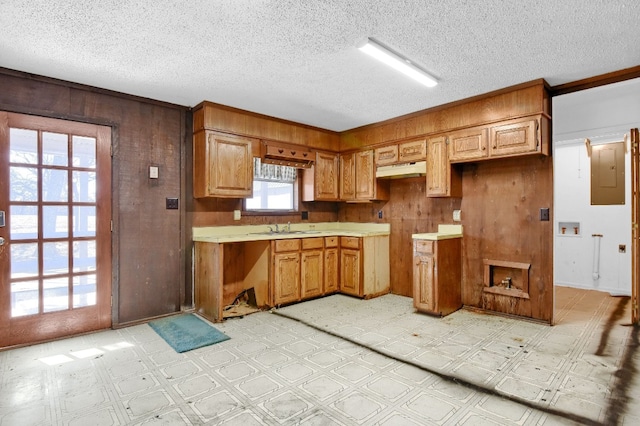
(350, 266)
(286, 271)
(331, 265)
(437, 275)
(312, 268)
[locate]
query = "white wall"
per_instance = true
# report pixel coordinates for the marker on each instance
(604, 114)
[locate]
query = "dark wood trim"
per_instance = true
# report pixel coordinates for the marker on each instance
(87, 88)
(597, 81)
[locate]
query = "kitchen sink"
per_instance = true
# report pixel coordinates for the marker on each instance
(284, 233)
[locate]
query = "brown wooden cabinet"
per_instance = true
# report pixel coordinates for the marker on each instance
(350, 266)
(442, 179)
(320, 182)
(222, 165)
(358, 178)
(437, 275)
(386, 155)
(285, 271)
(410, 151)
(468, 144)
(515, 137)
(312, 268)
(331, 265)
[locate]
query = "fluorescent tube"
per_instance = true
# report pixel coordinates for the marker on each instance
(397, 62)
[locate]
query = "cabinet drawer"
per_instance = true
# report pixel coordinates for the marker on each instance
(286, 245)
(350, 242)
(386, 155)
(412, 151)
(312, 243)
(423, 246)
(331, 242)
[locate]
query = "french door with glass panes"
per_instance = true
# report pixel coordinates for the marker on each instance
(55, 228)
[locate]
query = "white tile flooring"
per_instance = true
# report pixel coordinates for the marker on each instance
(342, 361)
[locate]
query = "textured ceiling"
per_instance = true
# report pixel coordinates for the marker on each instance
(297, 59)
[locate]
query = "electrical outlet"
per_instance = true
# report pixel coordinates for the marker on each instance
(622, 248)
(544, 214)
(172, 204)
(304, 215)
(237, 214)
(379, 214)
(456, 215)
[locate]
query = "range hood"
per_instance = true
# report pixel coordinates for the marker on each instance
(397, 171)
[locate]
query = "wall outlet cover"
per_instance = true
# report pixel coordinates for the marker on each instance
(237, 214)
(153, 172)
(456, 216)
(544, 214)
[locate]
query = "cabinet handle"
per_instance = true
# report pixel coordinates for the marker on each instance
(293, 153)
(484, 148)
(304, 154)
(280, 151)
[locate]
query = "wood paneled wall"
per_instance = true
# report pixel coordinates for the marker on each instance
(501, 205)
(408, 211)
(148, 252)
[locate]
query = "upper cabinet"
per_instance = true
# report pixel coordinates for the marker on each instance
(443, 180)
(468, 144)
(400, 153)
(411, 151)
(320, 182)
(222, 165)
(522, 136)
(358, 178)
(515, 137)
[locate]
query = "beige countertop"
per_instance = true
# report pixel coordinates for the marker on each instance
(242, 233)
(444, 232)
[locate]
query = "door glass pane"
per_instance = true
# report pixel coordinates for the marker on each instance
(54, 185)
(56, 258)
(84, 152)
(84, 221)
(84, 290)
(24, 260)
(55, 294)
(84, 256)
(23, 183)
(84, 187)
(24, 298)
(23, 223)
(23, 146)
(55, 149)
(55, 221)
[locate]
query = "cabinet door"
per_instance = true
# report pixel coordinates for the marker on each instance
(424, 288)
(468, 144)
(365, 175)
(223, 166)
(350, 275)
(311, 273)
(347, 177)
(286, 278)
(386, 155)
(412, 151)
(437, 167)
(515, 137)
(331, 271)
(326, 176)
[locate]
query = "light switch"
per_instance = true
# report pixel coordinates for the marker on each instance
(153, 172)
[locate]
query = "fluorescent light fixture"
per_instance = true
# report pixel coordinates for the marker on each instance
(397, 62)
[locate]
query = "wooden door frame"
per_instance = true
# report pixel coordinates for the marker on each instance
(635, 220)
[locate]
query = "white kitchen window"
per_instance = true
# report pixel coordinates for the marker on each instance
(274, 188)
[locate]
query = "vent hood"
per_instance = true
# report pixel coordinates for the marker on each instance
(286, 155)
(397, 171)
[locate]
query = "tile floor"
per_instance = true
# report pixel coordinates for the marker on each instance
(342, 361)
